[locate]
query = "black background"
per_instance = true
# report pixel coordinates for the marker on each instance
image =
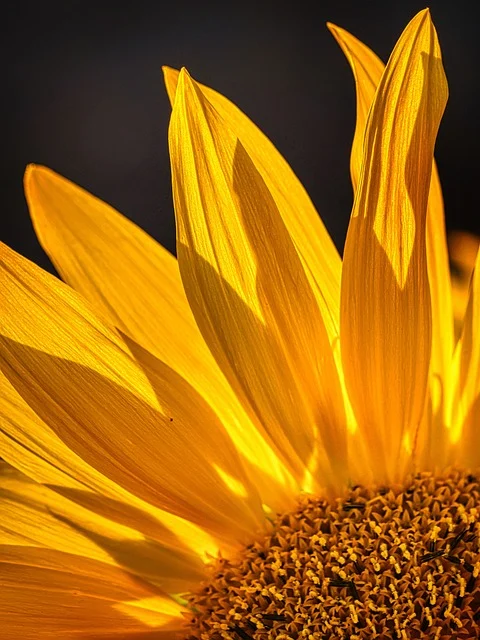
(83, 94)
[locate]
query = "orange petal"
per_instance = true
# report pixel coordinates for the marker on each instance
(385, 307)
(368, 69)
(463, 249)
(465, 433)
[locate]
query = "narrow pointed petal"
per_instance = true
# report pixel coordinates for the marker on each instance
(386, 326)
(34, 515)
(367, 69)
(319, 255)
(112, 262)
(443, 337)
(29, 445)
(462, 249)
(49, 594)
(466, 407)
(136, 283)
(248, 289)
(152, 434)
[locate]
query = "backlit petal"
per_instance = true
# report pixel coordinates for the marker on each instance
(248, 289)
(465, 432)
(462, 249)
(385, 308)
(319, 255)
(28, 444)
(136, 282)
(147, 430)
(367, 70)
(34, 515)
(49, 594)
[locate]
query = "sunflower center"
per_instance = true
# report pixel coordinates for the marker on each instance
(395, 562)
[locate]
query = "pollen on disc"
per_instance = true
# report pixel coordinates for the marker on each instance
(387, 563)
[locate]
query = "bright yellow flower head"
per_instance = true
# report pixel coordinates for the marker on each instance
(257, 441)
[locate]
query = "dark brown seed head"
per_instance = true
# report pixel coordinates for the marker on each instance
(392, 563)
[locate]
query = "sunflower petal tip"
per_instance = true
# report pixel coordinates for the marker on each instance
(425, 14)
(170, 78)
(187, 85)
(30, 177)
(341, 36)
(36, 179)
(170, 73)
(31, 170)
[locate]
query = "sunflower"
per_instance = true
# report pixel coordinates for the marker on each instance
(256, 441)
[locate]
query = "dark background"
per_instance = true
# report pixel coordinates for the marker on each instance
(83, 94)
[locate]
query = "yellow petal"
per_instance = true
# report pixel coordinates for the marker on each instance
(465, 433)
(385, 306)
(136, 282)
(149, 431)
(49, 594)
(28, 444)
(434, 435)
(367, 70)
(113, 263)
(463, 249)
(248, 289)
(34, 515)
(318, 253)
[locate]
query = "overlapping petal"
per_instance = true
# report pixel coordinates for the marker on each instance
(462, 249)
(318, 254)
(77, 375)
(135, 423)
(248, 289)
(367, 69)
(386, 327)
(136, 283)
(29, 445)
(50, 594)
(36, 516)
(466, 407)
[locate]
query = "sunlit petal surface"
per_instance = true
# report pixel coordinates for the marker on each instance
(462, 249)
(248, 289)
(136, 283)
(125, 412)
(367, 70)
(386, 321)
(256, 442)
